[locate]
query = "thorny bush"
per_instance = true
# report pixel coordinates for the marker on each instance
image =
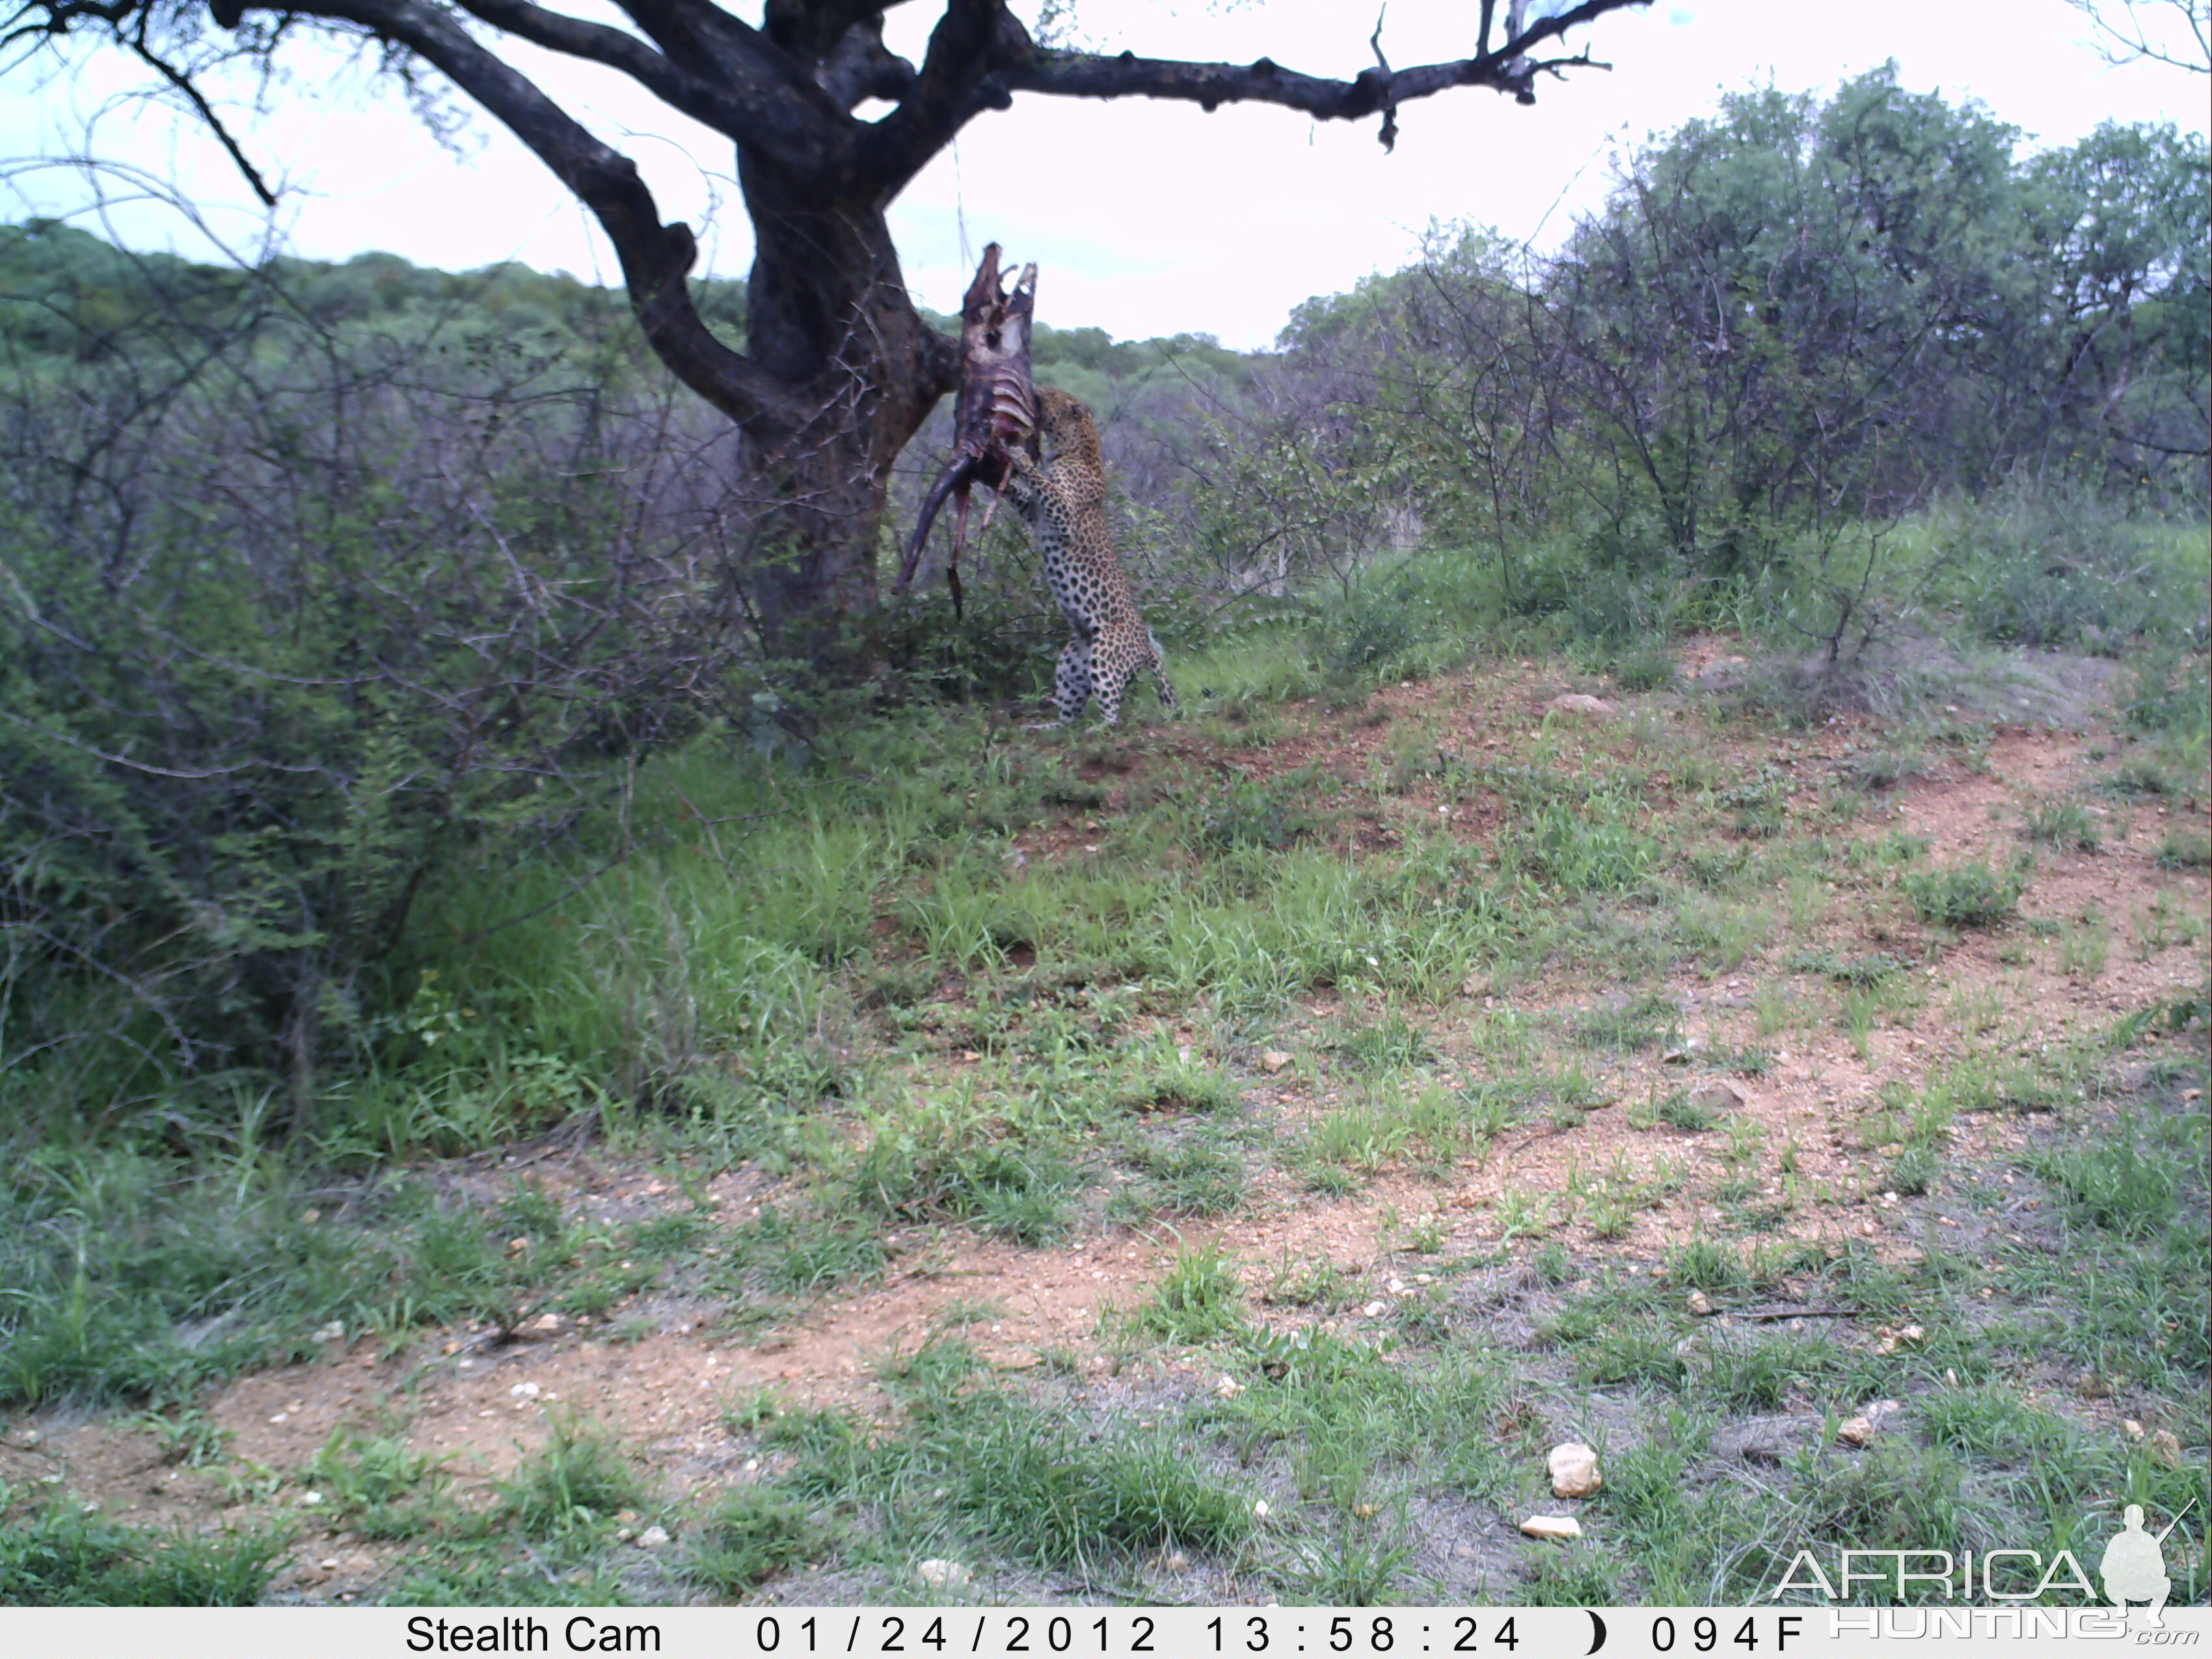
(291, 610)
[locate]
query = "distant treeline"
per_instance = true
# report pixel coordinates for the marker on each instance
(66, 293)
(1789, 318)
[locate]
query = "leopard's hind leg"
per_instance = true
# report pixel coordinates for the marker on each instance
(1110, 683)
(1072, 682)
(1113, 683)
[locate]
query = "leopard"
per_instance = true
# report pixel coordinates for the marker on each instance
(1062, 497)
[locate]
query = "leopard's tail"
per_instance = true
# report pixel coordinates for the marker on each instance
(1158, 666)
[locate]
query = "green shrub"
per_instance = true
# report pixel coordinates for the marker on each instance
(2182, 850)
(1577, 852)
(2064, 824)
(751, 1534)
(245, 717)
(575, 1482)
(1965, 895)
(1272, 815)
(2049, 567)
(67, 1556)
(1648, 667)
(1199, 1300)
(1047, 1492)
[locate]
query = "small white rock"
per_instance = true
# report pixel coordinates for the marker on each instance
(311, 1498)
(1715, 1096)
(1698, 1304)
(942, 1575)
(1551, 1526)
(1855, 1430)
(652, 1538)
(1274, 1059)
(1260, 1508)
(1227, 1387)
(333, 1331)
(1582, 705)
(1373, 1309)
(1574, 1471)
(524, 1391)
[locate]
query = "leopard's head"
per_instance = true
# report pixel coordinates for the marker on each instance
(1066, 428)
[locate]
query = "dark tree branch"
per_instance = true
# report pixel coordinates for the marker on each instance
(2122, 46)
(860, 66)
(183, 82)
(809, 30)
(954, 85)
(1390, 133)
(37, 20)
(699, 32)
(655, 258)
(1507, 69)
(746, 99)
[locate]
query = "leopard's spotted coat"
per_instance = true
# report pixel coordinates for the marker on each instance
(1064, 500)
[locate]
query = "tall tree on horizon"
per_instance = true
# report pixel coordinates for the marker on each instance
(839, 370)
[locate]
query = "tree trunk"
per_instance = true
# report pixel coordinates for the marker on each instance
(829, 316)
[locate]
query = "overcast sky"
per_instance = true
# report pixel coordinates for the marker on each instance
(1147, 218)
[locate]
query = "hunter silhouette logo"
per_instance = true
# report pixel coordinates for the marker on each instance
(2134, 1567)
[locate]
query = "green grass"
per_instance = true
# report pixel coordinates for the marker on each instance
(575, 1483)
(1965, 895)
(1200, 1299)
(2182, 850)
(1188, 1180)
(2066, 825)
(752, 1535)
(2117, 1180)
(1637, 1023)
(1044, 1493)
(1649, 667)
(64, 1557)
(1039, 1485)
(1391, 1044)
(126, 1285)
(378, 1485)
